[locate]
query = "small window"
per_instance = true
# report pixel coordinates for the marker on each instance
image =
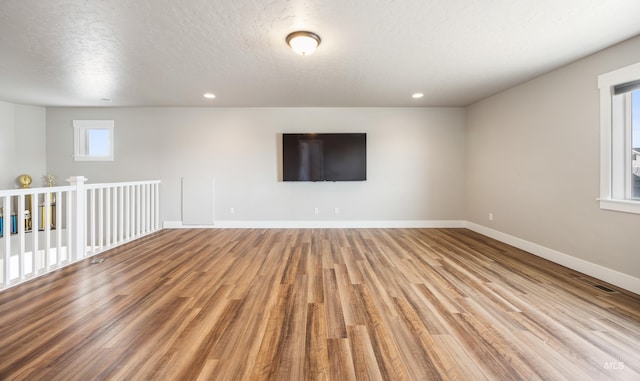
(93, 140)
(620, 139)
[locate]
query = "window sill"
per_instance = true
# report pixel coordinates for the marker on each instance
(92, 158)
(626, 206)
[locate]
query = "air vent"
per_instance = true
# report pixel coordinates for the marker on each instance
(603, 288)
(96, 261)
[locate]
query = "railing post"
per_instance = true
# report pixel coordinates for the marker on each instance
(78, 217)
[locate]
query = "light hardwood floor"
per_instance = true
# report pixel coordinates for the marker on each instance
(334, 304)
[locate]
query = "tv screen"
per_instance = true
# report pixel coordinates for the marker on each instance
(324, 157)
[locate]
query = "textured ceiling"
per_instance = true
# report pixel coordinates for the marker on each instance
(373, 52)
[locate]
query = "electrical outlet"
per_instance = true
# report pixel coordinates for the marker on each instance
(232, 210)
(316, 211)
(490, 216)
(336, 210)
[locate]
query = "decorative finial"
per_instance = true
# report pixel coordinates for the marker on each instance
(25, 180)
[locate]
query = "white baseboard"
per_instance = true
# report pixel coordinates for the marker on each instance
(318, 224)
(600, 272)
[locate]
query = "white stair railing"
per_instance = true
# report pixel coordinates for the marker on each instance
(44, 229)
(120, 212)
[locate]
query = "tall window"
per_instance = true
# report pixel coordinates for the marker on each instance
(93, 140)
(635, 145)
(620, 139)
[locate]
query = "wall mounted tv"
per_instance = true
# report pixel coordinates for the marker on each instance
(324, 157)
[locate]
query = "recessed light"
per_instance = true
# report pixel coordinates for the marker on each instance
(209, 96)
(417, 95)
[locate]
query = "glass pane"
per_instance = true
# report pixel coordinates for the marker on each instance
(635, 144)
(99, 142)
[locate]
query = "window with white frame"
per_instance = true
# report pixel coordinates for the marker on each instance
(634, 117)
(620, 139)
(93, 140)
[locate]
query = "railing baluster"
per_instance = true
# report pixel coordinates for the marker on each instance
(157, 227)
(132, 211)
(91, 218)
(70, 227)
(46, 223)
(114, 216)
(127, 211)
(7, 242)
(138, 210)
(121, 214)
(101, 219)
(34, 233)
(134, 215)
(21, 238)
(143, 208)
(149, 205)
(107, 220)
(58, 226)
(152, 207)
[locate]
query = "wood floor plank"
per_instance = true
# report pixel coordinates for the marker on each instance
(316, 353)
(318, 304)
(273, 341)
(364, 359)
(292, 362)
(340, 360)
(351, 310)
(465, 367)
(336, 327)
(409, 335)
(383, 344)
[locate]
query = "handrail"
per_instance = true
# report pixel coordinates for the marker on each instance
(126, 183)
(28, 191)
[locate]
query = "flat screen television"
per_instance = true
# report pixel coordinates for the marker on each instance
(324, 157)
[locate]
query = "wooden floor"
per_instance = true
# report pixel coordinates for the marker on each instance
(335, 304)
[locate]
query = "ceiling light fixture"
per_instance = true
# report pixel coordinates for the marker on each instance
(209, 96)
(303, 43)
(417, 95)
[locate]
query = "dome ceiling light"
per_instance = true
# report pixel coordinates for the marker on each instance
(303, 43)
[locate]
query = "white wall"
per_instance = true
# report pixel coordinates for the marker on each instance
(22, 144)
(533, 161)
(415, 159)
